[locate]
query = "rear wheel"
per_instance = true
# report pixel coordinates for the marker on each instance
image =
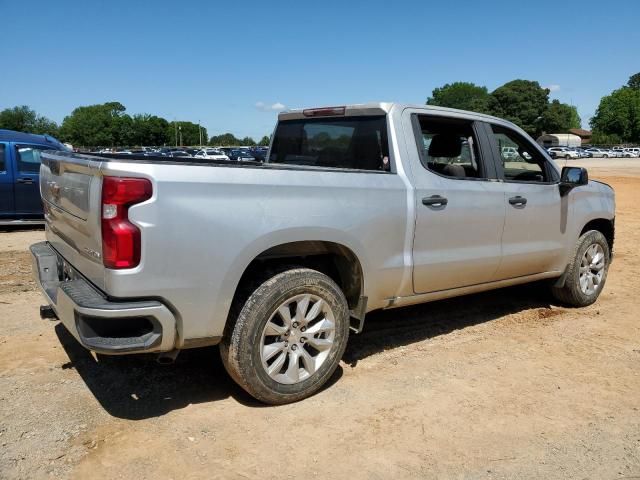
(586, 274)
(567, 157)
(289, 336)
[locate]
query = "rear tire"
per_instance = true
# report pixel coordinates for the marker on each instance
(586, 274)
(288, 337)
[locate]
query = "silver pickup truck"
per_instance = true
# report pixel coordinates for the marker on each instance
(355, 208)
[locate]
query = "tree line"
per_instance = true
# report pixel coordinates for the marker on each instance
(108, 125)
(523, 102)
(526, 103)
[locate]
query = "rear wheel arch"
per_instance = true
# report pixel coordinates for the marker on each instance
(335, 260)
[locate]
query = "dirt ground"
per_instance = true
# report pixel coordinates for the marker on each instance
(504, 384)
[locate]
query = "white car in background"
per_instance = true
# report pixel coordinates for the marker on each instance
(211, 154)
(563, 152)
(600, 152)
(631, 152)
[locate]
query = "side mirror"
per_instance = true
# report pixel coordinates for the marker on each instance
(572, 177)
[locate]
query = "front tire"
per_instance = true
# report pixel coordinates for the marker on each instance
(288, 337)
(586, 274)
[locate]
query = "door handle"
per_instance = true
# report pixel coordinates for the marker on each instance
(27, 181)
(518, 201)
(434, 201)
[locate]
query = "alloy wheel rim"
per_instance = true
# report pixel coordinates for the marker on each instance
(297, 338)
(592, 269)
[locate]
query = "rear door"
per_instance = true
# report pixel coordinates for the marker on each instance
(460, 205)
(6, 181)
(536, 215)
(26, 175)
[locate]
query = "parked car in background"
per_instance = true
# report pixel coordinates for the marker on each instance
(600, 152)
(629, 153)
(259, 153)
(635, 151)
(563, 152)
(211, 154)
(583, 152)
(179, 153)
(237, 154)
(277, 261)
(19, 174)
(509, 153)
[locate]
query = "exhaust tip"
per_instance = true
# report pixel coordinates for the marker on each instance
(48, 313)
(167, 358)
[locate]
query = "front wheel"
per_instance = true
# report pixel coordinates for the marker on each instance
(288, 337)
(586, 274)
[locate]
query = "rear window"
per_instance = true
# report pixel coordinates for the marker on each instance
(358, 143)
(2, 161)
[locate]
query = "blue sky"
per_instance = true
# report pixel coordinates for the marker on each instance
(232, 65)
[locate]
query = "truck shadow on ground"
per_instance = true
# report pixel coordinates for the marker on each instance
(135, 387)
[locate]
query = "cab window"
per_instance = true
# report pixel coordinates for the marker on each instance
(355, 143)
(521, 162)
(449, 147)
(29, 158)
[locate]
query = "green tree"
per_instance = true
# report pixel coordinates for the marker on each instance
(248, 141)
(559, 118)
(634, 81)
(24, 119)
(189, 132)
(599, 138)
(462, 95)
(522, 102)
(619, 114)
(224, 140)
(149, 130)
(265, 141)
(97, 125)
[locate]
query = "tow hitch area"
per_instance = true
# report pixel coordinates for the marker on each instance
(48, 313)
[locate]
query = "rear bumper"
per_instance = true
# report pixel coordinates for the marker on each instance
(99, 324)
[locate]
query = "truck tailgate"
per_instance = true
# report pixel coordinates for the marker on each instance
(70, 186)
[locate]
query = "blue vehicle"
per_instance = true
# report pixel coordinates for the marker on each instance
(19, 174)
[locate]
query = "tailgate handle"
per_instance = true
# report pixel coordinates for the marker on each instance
(27, 181)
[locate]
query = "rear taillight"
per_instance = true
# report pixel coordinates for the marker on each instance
(120, 237)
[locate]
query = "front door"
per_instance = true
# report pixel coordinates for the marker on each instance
(536, 219)
(460, 205)
(26, 175)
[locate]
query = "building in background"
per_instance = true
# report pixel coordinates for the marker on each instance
(559, 140)
(585, 135)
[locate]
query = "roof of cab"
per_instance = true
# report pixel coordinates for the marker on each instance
(22, 137)
(382, 108)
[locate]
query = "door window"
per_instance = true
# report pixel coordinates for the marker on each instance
(3, 162)
(449, 147)
(521, 162)
(29, 158)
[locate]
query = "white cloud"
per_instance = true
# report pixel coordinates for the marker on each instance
(274, 107)
(553, 87)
